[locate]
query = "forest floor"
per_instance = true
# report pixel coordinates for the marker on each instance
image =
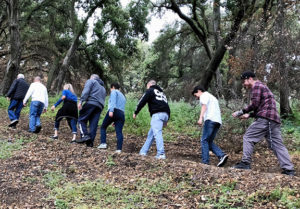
(180, 181)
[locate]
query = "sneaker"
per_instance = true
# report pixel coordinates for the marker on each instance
(83, 139)
(73, 141)
(161, 157)
(37, 129)
(242, 165)
(288, 172)
(102, 146)
(54, 137)
(118, 151)
(13, 123)
(222, 161)
(89, 143)
(143, 154)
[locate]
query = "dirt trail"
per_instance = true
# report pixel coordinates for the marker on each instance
(21, 176)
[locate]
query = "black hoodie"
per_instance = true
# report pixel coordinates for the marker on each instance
(156, 99)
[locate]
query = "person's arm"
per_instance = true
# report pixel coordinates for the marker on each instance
(143, 101)
(113, 101)
(46, 100)
(202, 112)
(12, 88)
(28, 94)
(255, 102)
(86, 91)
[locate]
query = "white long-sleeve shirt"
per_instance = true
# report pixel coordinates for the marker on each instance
(38, 92)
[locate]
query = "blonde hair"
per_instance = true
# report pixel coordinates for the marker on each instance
(69, 86)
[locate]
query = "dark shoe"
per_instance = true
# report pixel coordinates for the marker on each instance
(242, 165)
(83, 139)
(37, 129)
(13, 123)
(54, 137)
(73, 141)
(222, 161)
(89, 143)
(288, 172)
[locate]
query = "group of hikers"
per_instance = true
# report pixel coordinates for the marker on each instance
(92, 101)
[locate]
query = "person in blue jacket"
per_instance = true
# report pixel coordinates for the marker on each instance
(116, 115)
(69, 111)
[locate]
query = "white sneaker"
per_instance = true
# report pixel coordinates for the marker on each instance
(222, 161)
(161, 157)
(143, 154)
(102, 146)
(118, 151)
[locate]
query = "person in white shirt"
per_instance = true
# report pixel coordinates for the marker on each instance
(39, 103)
(210, 117)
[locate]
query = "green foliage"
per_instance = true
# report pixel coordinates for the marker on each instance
(102, 193)
(110, 162)
(284, 197)
(53, 178)
(4, 103)
(8, 147)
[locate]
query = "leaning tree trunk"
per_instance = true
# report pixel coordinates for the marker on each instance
(13, 64)
(73, 48)
(285, 109)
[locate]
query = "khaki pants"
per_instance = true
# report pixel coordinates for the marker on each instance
(271, 131)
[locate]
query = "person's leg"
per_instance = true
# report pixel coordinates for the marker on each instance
(256, 131)
(150, 138)
(93, 122)
(206, 133)
(12, 106)
(106, 122)
(119, 123)
(84, 115)
(157, 124)
(274, 139)
(19, 107)
(56, 125)
(40, 109)
(212, 146)
(32, 115)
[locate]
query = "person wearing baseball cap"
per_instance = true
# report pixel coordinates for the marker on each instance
(266, 124)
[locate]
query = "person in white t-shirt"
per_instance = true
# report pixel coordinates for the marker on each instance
(39, 103)
(210, 118)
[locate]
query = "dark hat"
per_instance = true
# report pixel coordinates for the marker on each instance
(247, 74)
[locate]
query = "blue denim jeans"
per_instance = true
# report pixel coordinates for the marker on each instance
(210, 130)
(89, 113)
(36, 109)
(72, 122)
(14, 109)
(118, 119)
(157, 122)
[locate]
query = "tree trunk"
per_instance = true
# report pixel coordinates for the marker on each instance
(13, 64)
(73, 48)
(52, 72)
(285, 109)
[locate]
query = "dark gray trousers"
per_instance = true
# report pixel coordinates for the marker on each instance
(271, 131)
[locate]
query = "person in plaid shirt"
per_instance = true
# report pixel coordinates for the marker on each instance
(266, 124)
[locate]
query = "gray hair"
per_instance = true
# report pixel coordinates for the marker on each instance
(37, 79)
(20, 76)
(94, 76)
(151, 82)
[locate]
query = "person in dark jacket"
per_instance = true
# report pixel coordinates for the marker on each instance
(266, 124)
(93, 97)
(16, 94)
(160, 114)
(68, 110)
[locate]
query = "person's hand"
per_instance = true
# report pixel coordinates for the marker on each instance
(7, 98)
(111, 114)
(24, 104)
(53, 108)
(237, 114)
(113, 125)
(134, 116)
(200, 122)
(245, 116)
(45, 110)
(79, 106)
(165, 124)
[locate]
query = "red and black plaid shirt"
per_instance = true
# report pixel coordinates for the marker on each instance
(263, 103)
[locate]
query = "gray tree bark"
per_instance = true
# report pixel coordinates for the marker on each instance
(13, 65)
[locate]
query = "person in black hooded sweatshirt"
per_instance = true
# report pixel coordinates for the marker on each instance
(160, 114)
